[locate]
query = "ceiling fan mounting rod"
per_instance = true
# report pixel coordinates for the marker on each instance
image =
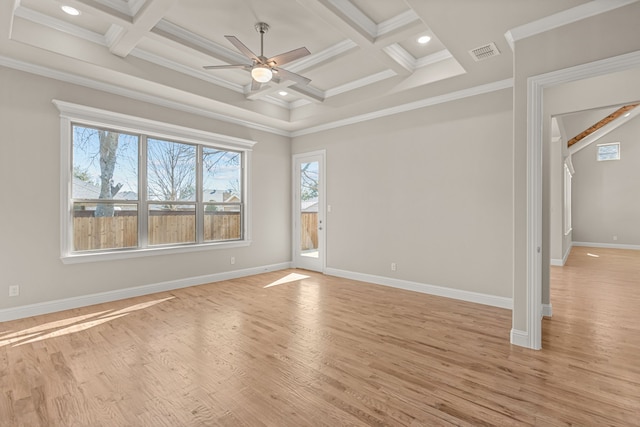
(262, 27)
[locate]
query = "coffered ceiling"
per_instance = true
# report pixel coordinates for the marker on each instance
(365, 60)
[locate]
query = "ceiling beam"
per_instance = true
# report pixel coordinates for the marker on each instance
(359, 34)
(123, 40)
(611, 117)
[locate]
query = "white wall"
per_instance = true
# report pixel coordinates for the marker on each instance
(606, 195)
(30, 220)
(428, 189)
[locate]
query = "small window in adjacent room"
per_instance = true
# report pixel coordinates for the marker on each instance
(610, 151)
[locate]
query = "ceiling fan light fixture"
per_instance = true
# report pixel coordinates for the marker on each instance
(261, 74)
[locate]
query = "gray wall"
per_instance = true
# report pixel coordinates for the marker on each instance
(428, 189)
(30, 219)
(606, 195)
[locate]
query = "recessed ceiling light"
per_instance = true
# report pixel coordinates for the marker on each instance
(283, 93)
(627, 115)
(70, 10)
(424, 39)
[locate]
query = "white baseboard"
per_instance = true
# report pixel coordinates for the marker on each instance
(492, 300)
(547, 310)
(563, 261)
(102, 297)
(520, 338)
(607, 245)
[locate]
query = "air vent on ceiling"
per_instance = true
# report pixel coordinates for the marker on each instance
(484, 52)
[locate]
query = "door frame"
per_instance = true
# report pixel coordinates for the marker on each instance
(536, 85)
(322, 214)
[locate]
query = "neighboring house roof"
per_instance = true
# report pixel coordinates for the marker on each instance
(88, 190)
(310, 205)
(220, 196)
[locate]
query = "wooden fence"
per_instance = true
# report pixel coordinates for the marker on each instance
(309, 231)
(121, 230)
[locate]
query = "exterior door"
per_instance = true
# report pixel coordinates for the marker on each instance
(308, 211)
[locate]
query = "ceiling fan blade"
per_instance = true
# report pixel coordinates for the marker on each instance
(255, 85)
(288, 75)
(222, 67)
(287, 57)
(242, 48)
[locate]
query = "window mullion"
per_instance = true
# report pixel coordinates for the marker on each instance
(143, 205)
(199, 192)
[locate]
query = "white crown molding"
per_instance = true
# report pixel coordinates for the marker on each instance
(401, 56)
(397, 22)
(406, 60)
(458, 294)
(565, 17)
(59, 25)
(440, 99)
(365, 81)
(135, 6)
(133, 94)
(321, 57)
(130, 8)
(29, 310)
(187, 38)
(433, 58)
(356, 16)
(181, 68)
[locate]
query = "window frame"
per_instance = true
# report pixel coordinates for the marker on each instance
(71, 114)
(607, 144)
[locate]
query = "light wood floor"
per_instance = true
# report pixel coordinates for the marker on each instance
(329, 352)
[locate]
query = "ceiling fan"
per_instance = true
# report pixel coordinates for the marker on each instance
(265, 69)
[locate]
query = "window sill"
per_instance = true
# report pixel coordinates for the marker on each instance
(137, 253)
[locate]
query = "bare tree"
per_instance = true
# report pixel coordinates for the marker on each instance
(171, 170)
(308, 182)
(108, 156)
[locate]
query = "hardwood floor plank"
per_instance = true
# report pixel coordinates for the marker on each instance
(325, 351)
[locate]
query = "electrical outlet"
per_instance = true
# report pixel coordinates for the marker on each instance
(233, 260)
(14, 290)
(394, 266)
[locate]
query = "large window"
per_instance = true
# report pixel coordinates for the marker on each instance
(136, 187)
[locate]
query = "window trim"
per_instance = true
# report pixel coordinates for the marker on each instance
(617, 144)
(70, 113)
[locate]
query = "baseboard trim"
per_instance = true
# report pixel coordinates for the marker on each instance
(29, 310)
(563, 261)
(607, 245)
(492, 300)
(547, 310)
(520, 338)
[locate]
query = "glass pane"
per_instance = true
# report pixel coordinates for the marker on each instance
(221, 176)
(309, 176)
(222, 222)
(170, 223)
(171, 171)
(105, 164)
(104, 226)
(608, 152)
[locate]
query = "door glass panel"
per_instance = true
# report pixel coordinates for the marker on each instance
(309, 209)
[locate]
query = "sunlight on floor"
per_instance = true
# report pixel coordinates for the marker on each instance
(78, 323)
(593, 255)
(287, 279)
